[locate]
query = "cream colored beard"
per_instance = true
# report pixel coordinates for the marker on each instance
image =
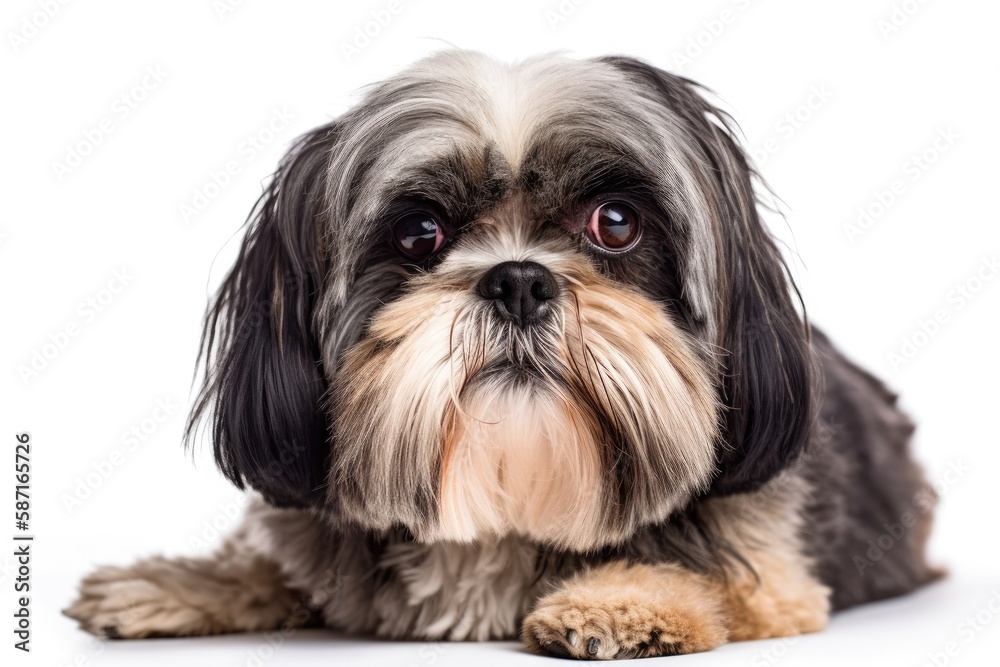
(521, 462)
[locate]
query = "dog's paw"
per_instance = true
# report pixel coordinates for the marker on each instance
(184, 597)
(598, 617)
(120, 603)
(616, 630)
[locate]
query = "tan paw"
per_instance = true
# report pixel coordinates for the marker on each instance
(616, 615)
(184, 597)
(117, 603)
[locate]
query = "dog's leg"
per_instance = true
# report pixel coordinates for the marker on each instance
(782, 600)
(234, 590)
(620, 610)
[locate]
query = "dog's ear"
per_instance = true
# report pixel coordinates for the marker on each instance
(264, 383)
(766, 371)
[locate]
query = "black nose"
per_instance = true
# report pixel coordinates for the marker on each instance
(519, 290)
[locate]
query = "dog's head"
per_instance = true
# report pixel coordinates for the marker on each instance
(533, 298)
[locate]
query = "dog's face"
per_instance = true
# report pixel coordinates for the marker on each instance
(492, 299)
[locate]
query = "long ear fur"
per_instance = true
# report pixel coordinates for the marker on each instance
(768, 373)
(264, 383)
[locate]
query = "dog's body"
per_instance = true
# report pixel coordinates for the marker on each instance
(569, 397)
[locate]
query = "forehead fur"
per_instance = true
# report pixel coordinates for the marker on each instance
(463, 130)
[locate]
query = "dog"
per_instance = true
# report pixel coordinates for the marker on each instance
(507, 351)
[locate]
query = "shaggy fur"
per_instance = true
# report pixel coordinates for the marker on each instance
(664, 458)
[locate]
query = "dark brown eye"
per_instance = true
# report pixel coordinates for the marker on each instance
(418, 234)
(614, 226)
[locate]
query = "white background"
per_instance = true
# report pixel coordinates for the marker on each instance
(885, 93)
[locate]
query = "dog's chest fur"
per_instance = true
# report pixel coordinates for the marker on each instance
(394, 587)
(456, 591)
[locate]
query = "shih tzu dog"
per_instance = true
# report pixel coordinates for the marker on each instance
(507, 351)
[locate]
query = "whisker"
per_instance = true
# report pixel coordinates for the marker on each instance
(453, 390)
(583, 342)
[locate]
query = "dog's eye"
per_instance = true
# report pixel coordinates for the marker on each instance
(417, 234)
(614, 226)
